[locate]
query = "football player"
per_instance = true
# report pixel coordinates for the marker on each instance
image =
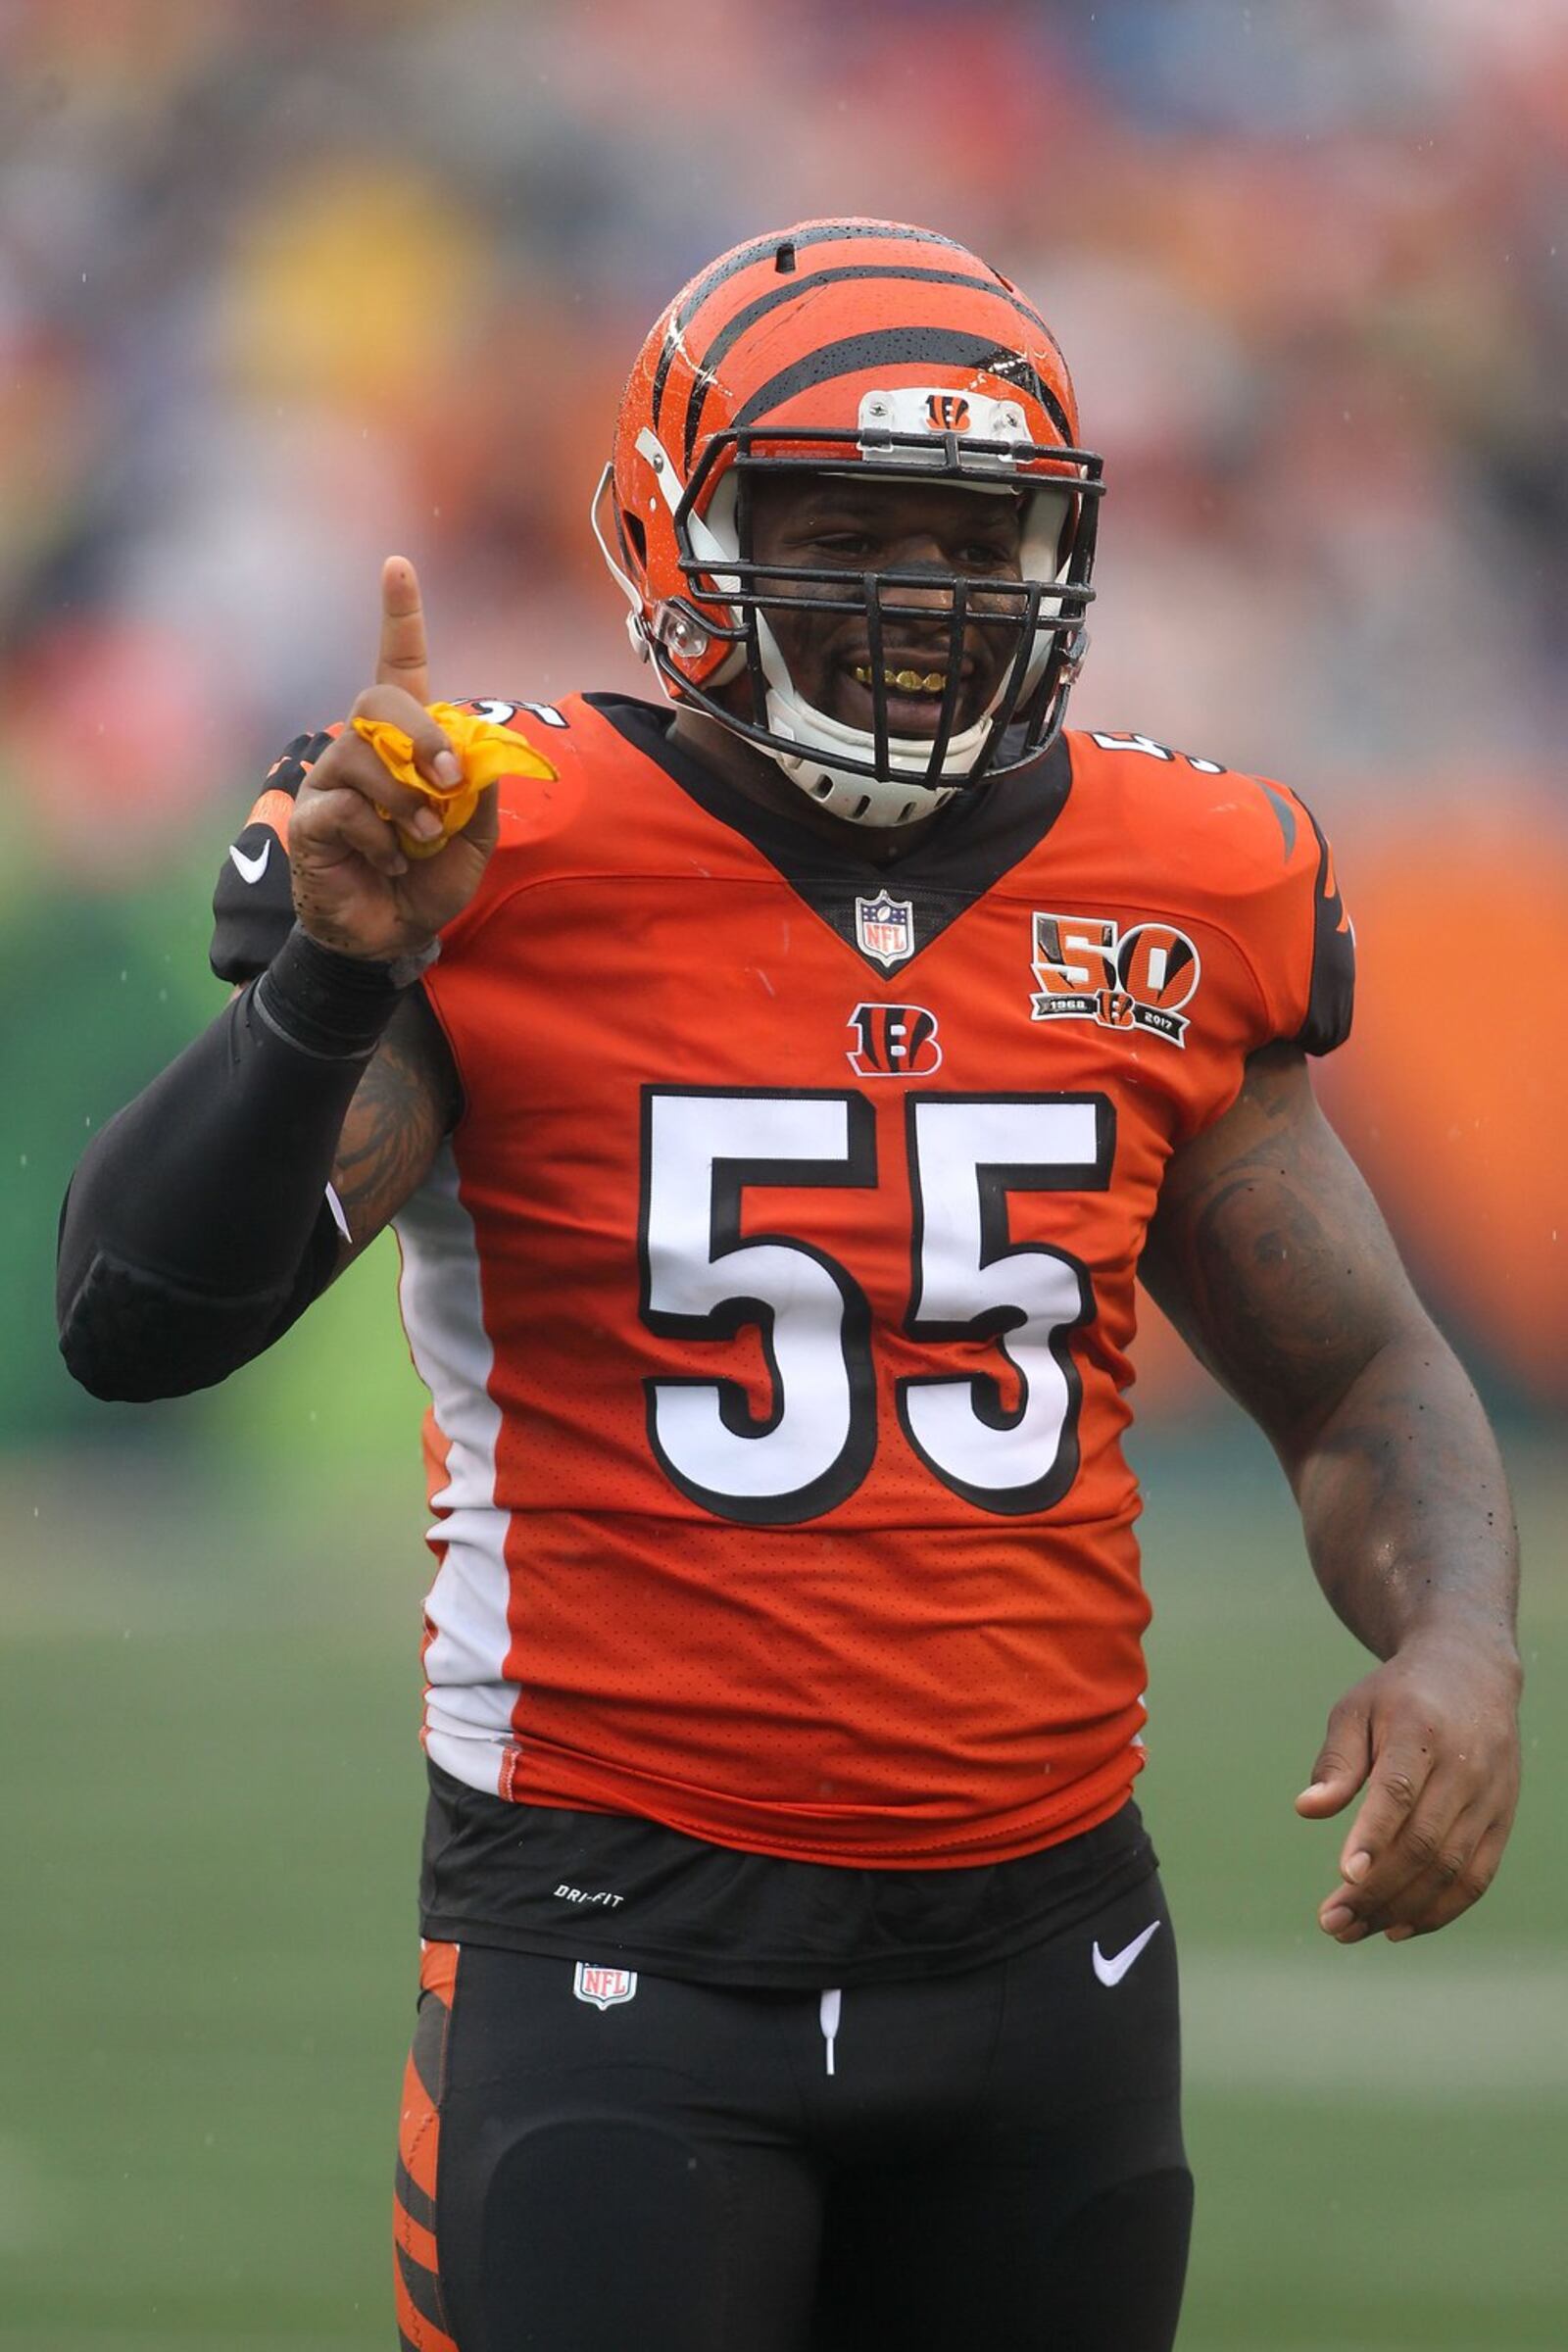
(777, 1085)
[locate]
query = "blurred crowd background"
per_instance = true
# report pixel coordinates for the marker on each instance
(286, 285)
(283, 288)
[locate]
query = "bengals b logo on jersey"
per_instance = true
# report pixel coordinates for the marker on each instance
(894, 1040)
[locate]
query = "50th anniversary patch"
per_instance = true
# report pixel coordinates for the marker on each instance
(1091, 970)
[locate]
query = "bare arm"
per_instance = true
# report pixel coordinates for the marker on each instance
(1270, 1256)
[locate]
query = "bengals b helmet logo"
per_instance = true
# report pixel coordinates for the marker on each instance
(894, 1040)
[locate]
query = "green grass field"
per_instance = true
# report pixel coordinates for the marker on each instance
(207, 1728)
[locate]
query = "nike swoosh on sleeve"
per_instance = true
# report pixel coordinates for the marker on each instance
(250, 870)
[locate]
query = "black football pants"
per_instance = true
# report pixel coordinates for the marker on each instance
(596, 2163)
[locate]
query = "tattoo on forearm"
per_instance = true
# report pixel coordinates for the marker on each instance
(392, 1133)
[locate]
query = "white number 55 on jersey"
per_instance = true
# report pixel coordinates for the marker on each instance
(811, 1450)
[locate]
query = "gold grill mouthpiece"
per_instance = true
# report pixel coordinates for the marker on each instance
(907, 682)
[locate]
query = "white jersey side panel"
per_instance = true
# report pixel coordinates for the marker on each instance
(468, 1702)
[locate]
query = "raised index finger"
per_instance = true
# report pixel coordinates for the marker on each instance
(402, 657)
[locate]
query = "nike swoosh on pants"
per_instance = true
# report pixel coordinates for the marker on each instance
(1112, 1971)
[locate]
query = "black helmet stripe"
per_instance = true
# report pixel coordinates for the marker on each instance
(793, 289)
(730, 265)
(891, 347)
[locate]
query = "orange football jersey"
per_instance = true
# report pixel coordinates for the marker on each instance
(775, 1290)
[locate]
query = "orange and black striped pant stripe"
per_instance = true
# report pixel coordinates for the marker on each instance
(416, 2262)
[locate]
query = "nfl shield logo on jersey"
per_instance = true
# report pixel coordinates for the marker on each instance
(884, 926)
(604, 1986)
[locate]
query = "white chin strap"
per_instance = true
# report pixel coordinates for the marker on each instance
(863, 799)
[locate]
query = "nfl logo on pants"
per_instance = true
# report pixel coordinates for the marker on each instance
(604, 1986)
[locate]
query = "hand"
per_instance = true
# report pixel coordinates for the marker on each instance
(354, 888)
(1434, 1735)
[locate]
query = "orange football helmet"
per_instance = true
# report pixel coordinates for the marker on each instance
(870, 346)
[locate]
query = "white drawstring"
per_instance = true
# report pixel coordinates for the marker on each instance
(831, 2005)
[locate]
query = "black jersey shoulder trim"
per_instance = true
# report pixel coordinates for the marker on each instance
(1331, 993)
(981, 836)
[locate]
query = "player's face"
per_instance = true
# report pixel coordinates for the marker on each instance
(836, 523)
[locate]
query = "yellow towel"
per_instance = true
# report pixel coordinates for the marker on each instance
(488, 754)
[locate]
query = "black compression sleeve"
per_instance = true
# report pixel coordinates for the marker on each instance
(196, 1228)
